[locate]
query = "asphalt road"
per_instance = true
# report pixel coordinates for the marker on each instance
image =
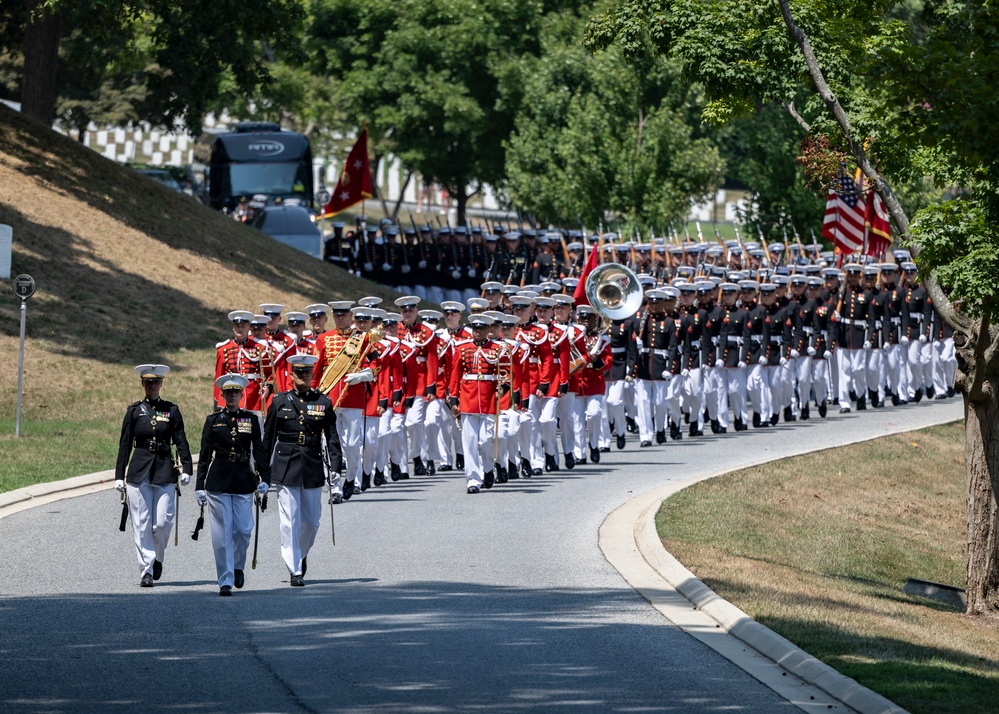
(431, 601)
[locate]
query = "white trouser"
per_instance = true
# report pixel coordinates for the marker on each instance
(435, 416)
(398, 443)
(666, 398)
(803, 375)
(369, 454)
(383, 441)
(944, 365)
(643, 408)
(834, 372)
(590, 412)
(873, 370)
(852, 367)
(735, 380)
(567, 424)
(232, 527)
(506, 435)
(758, 391)
(615, 405)
(820, 379)
(918, 366)
(780, 386)
(151, 509)
(299, 509)
(543, 437)
(350, 426)
(895, 372)
(477, 438)
(447, 438)
(693, 399)
(715, 395)
(415, 427)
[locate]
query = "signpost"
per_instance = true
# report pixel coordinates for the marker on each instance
(24, 287)
(322, 198)
(6, 248)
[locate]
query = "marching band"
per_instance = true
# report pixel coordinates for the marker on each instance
(668, 343)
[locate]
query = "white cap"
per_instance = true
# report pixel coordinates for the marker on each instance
(370, 301)
(302, 360)
(271, 309)
(231, 381)
(240, 316)
(408, 301)
(341, 305)
(152, 371)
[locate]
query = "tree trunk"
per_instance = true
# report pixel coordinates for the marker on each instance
(461, 199)
(402, 194)
(41, 60)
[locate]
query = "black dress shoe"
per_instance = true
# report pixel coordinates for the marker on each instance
(740, 425)
(774, 418)
(238, 579)
(394, 471)
(919, 395)
(550, 463)
(488, 479)
(459, 461)
(297, 581)
(940, 396)
(604, 449)
(336, 498)
(472, 489)
(645, 444)
(431, 469)
(535, 472)
(365, 482)
(305, 566)
(804, 413)
(822, 410)
(756, 420)
(512, 472)
(862, 404)
(570, 461)
(348, 490)
(581, 462)
(661, 436)
(501, 472)
(444, 468)
(674, 432)
(418, 468)
(872, 396)
(894, 400)
(157, 570)
(951, 392)
(620, 441)
(844, 410)
(147, 581)
(379, 478)
(716, 426)
(403, 476)
(595, 455)
(631, 425)
(789, 415)
(930, 391)
(225, 591)
(694, 431)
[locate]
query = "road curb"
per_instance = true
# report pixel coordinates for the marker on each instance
(38, 494)
(631, 544)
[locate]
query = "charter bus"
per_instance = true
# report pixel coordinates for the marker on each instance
(255, 159)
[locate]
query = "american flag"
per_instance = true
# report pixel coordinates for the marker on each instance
(844, 219)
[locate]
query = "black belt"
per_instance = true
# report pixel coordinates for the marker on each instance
(233, 457)
(151, 445)
(301, 438)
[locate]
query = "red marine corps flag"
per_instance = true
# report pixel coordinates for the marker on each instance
(878, 227)
(591, 263)
(355, 180)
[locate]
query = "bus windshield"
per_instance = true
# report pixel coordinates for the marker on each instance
(269, 179)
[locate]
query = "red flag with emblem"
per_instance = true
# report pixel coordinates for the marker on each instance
(355, 180)
(591, 264)
(878, 226)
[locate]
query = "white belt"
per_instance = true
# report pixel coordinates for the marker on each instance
(735, 340)
(252, 376)
(776, 339)
(479, 377)
(854, 323)
(896, 320)
(556, 360)
(714, 340)
(756, 338)
(807, 330)
(421, 359)
(695, 343)
(618, 350)
(661, 353)
(877, 324)
(917, 316)
(642, 349)
(534, 360)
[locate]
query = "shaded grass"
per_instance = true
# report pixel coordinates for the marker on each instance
(818, 547)
(51, 450)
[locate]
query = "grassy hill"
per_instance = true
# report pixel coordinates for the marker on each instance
(127, 272)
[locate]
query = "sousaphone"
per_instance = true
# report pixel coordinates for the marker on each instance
(614, 291)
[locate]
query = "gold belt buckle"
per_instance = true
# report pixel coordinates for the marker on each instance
(301, 439)
(152, 444)
(232, 457)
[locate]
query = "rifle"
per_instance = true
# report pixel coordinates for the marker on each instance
(368, 265)
(199, 525)
(124, 513)
(815, 246)
(787, 248)
(419, 241)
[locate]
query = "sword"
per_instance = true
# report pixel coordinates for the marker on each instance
(124, 513)
(176, 516)
(199, 525)
(256, 533)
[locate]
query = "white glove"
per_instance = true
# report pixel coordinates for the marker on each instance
(811, 351)
(684, 372)
(185, 479)
(666, 374)
(827, 354)
(201, 497)
(867, 345)
(795, 354)
(741, 365)
(263, 487)
(903, 340)
(922, 339)
(365, 375)
(783, 361)
(719, 364)
(762, 360)
(119, 486)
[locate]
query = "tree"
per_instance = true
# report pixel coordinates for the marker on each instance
(605, 134)
(438, 81)
(915, 85)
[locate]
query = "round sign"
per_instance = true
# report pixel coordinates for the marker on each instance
(322, 196)
(24, 286)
